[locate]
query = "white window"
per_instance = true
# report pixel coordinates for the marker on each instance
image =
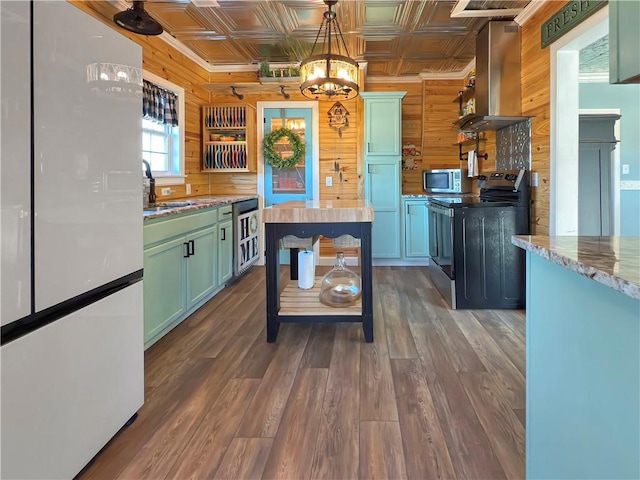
(161, 148)
(163, 145)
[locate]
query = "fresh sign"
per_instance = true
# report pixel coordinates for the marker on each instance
(568, 17)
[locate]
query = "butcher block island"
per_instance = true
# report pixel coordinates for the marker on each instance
(329, 218)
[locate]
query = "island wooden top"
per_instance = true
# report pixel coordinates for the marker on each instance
(319, 211)
(612, 261)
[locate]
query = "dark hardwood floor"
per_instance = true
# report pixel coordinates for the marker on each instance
(439, 394)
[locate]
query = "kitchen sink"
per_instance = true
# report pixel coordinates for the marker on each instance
(154, 209)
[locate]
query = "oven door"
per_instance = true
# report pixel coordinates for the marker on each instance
(441, 238)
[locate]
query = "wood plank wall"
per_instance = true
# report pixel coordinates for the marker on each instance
(536, 99)
(439, 134)
(163, 60)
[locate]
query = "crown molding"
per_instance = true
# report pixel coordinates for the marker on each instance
(243, 67)
(470, 66)
(460, 75)
(186, 51)
(395, 79)
(529, 11)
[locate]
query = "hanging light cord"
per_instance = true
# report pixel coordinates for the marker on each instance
(329, 18)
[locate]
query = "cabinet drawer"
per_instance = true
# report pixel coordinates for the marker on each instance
(224, 212)
(180, 225)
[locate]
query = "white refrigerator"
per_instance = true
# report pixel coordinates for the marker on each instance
(71, 354)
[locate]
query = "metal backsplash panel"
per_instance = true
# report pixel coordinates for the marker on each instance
(513, 146)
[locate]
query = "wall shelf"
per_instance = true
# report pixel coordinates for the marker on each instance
(233, 155)
(265, 85)
(464, 95)
(472, 142)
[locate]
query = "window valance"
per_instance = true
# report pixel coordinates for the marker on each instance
(159, 104)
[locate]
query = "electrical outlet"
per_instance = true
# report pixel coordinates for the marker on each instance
(166, 191)
(188, 188)
(328, 181)
(625, 169)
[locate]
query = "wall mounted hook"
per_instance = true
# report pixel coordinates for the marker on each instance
(239, 95)
(284, 94)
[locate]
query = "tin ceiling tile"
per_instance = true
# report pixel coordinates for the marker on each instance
(395, 37)
(218, 52)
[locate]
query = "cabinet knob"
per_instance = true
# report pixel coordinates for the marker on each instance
(224, 234)
(186, 254)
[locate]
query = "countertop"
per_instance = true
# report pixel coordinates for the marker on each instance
(611, 261)
(319, 211)
(198, 204)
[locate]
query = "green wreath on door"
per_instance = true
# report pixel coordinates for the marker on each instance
(274, 158)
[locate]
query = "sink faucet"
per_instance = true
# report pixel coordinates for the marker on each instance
(152, 182)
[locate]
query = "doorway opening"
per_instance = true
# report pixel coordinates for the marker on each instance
(565, 125)
(301, 183)
(598, 178)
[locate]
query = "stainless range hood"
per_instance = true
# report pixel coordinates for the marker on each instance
(497, 90)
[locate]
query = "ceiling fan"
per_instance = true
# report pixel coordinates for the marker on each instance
(137, 20)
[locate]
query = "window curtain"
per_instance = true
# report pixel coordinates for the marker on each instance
(159, 104)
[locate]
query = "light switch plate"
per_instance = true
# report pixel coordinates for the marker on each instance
(625, 169)
(188, 188)
(328, 181)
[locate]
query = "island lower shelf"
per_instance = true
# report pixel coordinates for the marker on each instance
(296, 301)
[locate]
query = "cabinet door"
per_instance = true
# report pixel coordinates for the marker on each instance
(416, 236)
(15, 196)
(383, 191)
(86, 368)
(87, 197)
(164, 286)
(202, 265)
(624, 38)
(225, 251)
(383, 124)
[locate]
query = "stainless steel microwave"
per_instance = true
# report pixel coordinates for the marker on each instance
(447, 180)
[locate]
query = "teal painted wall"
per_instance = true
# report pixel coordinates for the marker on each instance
(583, 377)
(627, 99)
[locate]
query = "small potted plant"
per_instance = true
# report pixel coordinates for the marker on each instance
(276, 73)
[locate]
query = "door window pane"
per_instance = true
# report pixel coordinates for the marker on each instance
(289, 180)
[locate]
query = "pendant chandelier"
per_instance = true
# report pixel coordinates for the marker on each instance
(329, 74)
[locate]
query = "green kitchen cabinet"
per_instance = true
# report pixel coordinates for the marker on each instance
(202, 264)
(383, 123)
(180, 268)
(383, 147)
(416, 234)
(225, 251)
(165, 279)
(624, 41)
(382, 189)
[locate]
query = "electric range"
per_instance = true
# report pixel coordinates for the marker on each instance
(473, 263)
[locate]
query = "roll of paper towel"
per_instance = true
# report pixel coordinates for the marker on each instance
(306, 269)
